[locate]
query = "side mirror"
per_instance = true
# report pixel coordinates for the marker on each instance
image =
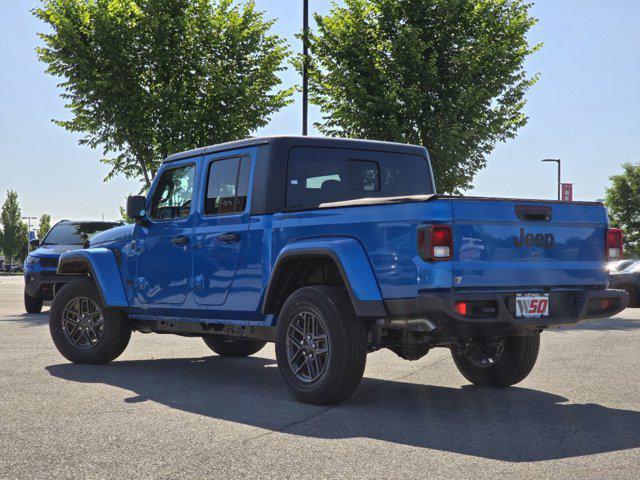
(35, 243)
(136, 205)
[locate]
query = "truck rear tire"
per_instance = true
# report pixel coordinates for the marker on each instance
(321, 345)
(32, 304)
(83, 329)
(499, 364)
(233, 347)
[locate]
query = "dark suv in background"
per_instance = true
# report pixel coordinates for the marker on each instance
(41, 279)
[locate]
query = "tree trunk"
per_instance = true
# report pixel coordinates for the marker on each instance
(145, 172)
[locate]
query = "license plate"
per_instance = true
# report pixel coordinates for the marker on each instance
(532, 305)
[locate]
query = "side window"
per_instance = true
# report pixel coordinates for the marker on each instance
(172, 197)
(227, 186)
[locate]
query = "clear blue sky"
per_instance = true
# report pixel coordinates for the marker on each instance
(584, 110)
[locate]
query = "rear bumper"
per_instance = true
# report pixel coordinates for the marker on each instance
(566, 307)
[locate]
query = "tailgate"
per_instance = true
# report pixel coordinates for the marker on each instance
(507, 243)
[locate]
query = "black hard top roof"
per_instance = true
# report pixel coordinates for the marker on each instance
(106, 222)
(298, 141)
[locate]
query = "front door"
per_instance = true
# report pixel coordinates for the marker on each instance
(164, 242)
(221, 233)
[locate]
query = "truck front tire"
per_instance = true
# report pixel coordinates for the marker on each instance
(498, 364)
(83, 329)
(32, 304)
(233, 347)
(321, 346)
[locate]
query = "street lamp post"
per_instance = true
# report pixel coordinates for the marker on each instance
(28, 219)
(558, 161)
(305, 65)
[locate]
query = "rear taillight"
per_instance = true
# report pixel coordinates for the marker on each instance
(435, 242)
(614, 243)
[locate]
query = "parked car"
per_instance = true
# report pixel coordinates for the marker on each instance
(332, 249)
(40, 278)
(619, 265)
(15, 268)
(629, 281)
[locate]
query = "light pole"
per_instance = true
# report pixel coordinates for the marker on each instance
(558, 161)
(28, 219)
(305, 65)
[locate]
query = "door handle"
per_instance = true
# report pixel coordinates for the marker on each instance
(181, 240)
(229, 237)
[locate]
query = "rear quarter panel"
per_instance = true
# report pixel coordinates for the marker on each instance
(386, 232)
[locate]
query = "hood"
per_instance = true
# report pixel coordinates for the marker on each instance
(53, 250)
(116, 234)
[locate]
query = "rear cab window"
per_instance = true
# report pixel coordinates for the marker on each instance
(321, 176)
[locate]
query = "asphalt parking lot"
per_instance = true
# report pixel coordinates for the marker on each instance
(170, 408)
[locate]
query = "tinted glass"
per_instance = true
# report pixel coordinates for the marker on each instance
(363, 175)
(317, 176)
(172, 197)
(227, 186)
(75, 233)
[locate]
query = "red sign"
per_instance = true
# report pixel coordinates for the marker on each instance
(567, 192)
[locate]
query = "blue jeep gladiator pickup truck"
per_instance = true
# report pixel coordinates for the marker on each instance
(332, 249)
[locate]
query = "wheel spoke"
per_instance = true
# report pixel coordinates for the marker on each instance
(297, 329)
(295, 342)
(301, 366)
(97, 325)
(295, 356)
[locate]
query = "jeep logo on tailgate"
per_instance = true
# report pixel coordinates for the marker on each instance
(546, 240)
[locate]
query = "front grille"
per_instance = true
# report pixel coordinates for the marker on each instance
(49, 262)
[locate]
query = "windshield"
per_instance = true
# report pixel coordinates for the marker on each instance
(631, 268)
(75, 233)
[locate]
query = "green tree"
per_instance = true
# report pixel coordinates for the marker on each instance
(446, 74)
(123, 215)
(623, 203)
(12, 227)
(44, 225)
(146, 78)
(23, 248)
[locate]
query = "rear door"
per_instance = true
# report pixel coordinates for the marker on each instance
(502, 243)
(221, 232)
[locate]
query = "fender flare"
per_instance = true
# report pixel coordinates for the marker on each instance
(102, 265)
(353, 265)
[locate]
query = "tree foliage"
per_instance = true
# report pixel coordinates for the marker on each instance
(623, 203)
(146, 78)
(446, 74)
(23, 248)
(44, 225)
(13, 228)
